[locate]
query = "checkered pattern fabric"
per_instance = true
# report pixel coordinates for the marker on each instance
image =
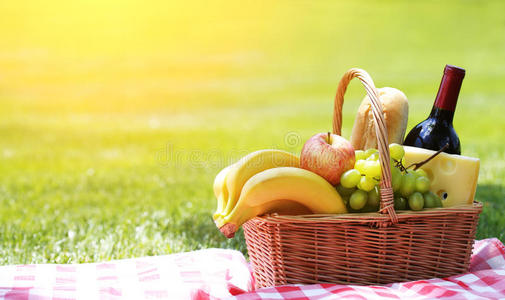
(486, 280)
(204, 274)
(220, 273)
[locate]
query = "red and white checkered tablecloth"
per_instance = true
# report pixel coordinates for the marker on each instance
(204, 274)
(486, 280)
(221, 273)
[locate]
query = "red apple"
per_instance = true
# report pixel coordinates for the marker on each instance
(328, 155)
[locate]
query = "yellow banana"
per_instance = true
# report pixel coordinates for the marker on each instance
(250, 165)
(220, 190)
(271, 188)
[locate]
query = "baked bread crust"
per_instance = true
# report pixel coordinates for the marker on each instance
(396, 110)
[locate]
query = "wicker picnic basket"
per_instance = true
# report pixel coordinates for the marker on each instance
(362, 248)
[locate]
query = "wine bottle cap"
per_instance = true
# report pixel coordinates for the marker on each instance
(454, 70)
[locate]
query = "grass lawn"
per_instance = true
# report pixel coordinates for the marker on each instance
(114, 121)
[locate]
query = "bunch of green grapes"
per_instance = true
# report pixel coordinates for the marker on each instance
(359, 187)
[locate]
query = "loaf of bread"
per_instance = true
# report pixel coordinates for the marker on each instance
(396, 111)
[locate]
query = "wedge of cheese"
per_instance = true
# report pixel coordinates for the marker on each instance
(453, 177)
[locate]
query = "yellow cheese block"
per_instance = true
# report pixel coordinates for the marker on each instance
(453, 177)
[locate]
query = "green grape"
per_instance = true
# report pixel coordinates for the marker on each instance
(400, 203)
(416, 201)
(438, 200)
(358, 200)
(408, 185)
(372, 169)
(373, 156)
(422, 184)
(396, 179)
(360, 166)
(342, 191)
(421, 173)
(366, 184)
(396, 151)
(370, 151)
(350, 178)
(373, 197)
(431, 200)
(392, 164)
(359, 154)
(413, 173)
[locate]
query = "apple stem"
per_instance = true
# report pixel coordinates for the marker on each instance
(329, 136)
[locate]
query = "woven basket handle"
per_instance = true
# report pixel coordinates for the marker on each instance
(387, 202)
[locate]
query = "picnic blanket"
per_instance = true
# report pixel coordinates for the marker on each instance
(222, 273)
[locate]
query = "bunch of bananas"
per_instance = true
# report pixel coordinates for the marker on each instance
(270, 181)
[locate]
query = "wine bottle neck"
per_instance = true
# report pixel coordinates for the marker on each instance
(448, 92)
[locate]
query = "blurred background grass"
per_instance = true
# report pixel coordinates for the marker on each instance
(115, 116)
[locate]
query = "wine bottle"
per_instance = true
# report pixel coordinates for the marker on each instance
(437, 131)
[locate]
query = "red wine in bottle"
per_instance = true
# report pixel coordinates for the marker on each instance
(437, 130)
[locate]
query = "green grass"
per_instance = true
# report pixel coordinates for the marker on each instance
(110, 137)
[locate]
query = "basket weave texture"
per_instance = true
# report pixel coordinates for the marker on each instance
(362, 248)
